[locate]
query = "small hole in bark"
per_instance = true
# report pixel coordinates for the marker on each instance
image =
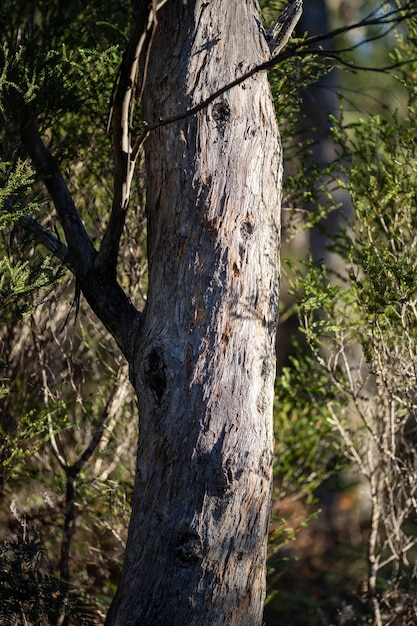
(246, 229)
(221, 112)
(188, 549)
(265, 369)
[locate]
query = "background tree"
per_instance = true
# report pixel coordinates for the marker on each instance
(362, 352)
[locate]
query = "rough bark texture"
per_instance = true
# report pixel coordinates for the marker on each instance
(205, 362)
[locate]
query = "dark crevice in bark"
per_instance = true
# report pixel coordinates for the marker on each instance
(155, 373)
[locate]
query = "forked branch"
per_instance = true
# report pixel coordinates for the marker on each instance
(101, 290)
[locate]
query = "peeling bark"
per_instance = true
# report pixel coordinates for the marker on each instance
(204, 363)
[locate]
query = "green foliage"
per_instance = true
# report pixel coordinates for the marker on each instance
(61, 61)
(33, 430)
(353, 384)
(16, 183)
(307, 450)
(57, 83)
(380, 247)
(23, 278)
(20, 277)
(63, 65)
(360, 322)
(42, 82)
(304, 202)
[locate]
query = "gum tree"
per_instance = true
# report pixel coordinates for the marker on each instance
(202, 352)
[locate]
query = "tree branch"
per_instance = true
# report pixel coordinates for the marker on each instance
(282, 29)
(79, 244)
(44, 236)
(353, 66)
(299, 49)
(48, 240)
(103, 293)
(140, 42)
(396, 16)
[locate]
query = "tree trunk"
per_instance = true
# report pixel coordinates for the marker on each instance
(204, 363)
(319, 100)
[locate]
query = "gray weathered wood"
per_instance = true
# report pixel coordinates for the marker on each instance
(204, 362)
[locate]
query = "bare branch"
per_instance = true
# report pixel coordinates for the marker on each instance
(282, 29)
(43, 236)
(122, 115)
(47, 239)
(299, 49)
(79, 244)
(114, 403)
(396, 16)
(103, 293)
(353, 66)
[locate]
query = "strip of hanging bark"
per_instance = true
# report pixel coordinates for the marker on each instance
(121, 120)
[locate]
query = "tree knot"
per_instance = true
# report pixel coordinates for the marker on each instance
(188, 549)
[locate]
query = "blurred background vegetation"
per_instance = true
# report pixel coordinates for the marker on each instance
(343, 531)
